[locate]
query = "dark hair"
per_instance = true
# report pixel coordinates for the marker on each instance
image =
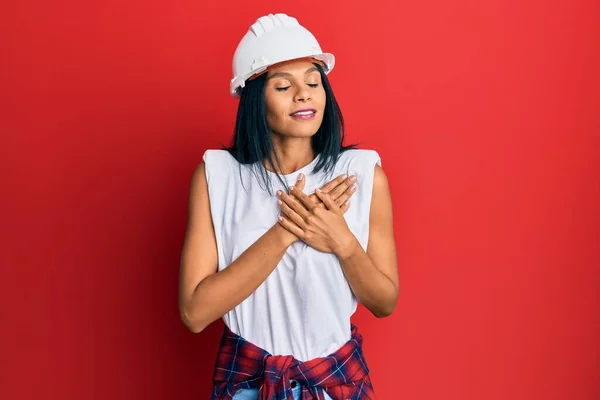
(252, 141)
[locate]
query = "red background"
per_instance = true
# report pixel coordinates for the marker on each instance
(486, 115)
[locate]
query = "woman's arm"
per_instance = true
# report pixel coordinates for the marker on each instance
(372, 275)
(205, 294)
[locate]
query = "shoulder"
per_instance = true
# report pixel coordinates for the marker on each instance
(367, 156)
(366, 163)
(360, 162)
(211, 171)
(217, 162)
(212, 156)
(380, 181)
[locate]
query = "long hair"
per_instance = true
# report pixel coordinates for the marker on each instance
(253, 144)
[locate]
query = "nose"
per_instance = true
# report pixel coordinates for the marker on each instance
(302, 94)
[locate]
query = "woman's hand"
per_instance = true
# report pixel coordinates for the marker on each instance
(340, 189)
(323, 229)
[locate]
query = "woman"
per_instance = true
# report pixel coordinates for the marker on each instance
(274, 246)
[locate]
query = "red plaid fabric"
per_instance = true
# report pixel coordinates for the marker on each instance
(240, 364)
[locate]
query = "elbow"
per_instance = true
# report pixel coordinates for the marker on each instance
(192, 322)
(383, 312)
(386, 309)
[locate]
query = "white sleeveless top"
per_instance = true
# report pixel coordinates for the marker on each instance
(304, 307)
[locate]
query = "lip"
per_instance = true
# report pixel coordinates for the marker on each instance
(304, 110)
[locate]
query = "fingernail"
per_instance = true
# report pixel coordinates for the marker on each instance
(318, 190)
(353, 187)
(279, 202)
(353, 178)
(291, 188)
(279, 193)
(300, 177)
(344, 176)
(348, 202)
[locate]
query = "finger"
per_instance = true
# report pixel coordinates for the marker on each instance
(302, 197)
(332, 184)
(346, 195)
(344, 207)
(293, 204)
(291, 227)
(300, 182)
(291, 214)
(342, 187)
(316, 201)
(328, 201)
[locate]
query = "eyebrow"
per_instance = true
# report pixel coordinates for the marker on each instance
(287, 75)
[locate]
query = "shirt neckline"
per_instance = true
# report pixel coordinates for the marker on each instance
(308, 166)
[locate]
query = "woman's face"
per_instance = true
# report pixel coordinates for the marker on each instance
(295, 99)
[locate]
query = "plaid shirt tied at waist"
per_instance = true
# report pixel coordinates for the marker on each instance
(240, 364)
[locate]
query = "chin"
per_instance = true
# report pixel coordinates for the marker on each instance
(304, 129)
(302, 133)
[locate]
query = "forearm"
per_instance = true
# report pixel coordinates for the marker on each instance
(219, 293)
(371, 287)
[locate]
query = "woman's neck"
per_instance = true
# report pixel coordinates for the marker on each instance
(293, 156)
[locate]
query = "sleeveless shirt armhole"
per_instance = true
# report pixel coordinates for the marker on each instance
(214, 169)
(206, 157)
(372, 160)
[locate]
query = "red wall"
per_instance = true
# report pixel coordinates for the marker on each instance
(486, 115)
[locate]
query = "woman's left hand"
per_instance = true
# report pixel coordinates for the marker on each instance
(323, 229)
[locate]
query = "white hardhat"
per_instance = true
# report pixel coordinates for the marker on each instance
(270, 40)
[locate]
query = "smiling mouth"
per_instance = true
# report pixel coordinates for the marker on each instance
(304, 114)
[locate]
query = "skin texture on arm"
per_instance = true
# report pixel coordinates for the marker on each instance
(372, 275)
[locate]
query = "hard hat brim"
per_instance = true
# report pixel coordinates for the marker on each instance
(327, 60)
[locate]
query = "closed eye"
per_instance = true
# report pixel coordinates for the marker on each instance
(313, 85)
(282, 89)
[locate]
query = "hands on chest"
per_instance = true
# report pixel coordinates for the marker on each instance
(317, 219)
